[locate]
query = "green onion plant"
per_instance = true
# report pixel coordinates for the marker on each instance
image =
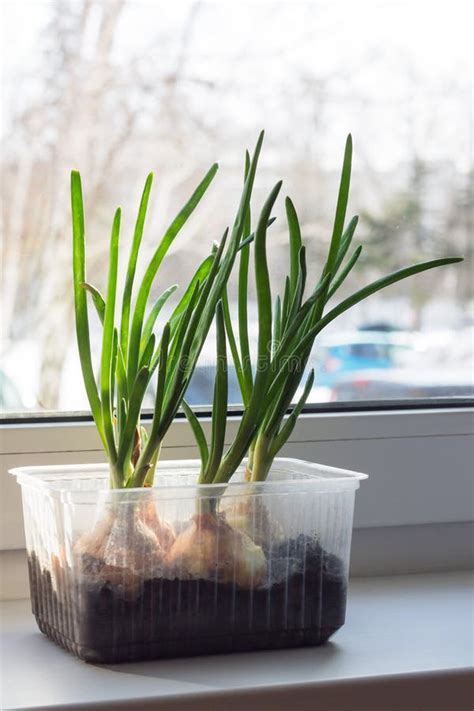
(287, 329)
(132, 352)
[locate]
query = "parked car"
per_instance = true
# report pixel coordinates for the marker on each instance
(201, 388)
(343, 353)
(334, 357)
(404, 383)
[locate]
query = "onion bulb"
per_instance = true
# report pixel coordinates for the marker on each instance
(210, 548)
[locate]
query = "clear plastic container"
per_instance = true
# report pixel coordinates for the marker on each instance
(181, 568)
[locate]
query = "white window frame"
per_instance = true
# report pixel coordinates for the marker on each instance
(414, 512)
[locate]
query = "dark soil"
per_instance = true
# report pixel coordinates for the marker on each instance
(99, 622)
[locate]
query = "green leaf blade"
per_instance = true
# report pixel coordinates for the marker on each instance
(288, 427)
(199, 435)
(341, 206)
(154, 441)
(132, 265)
(97, 300)
(154, 313)
(295, 242)
(219, 408)
(106, 373)
(340, 279)
(132, 416)
(233, 347)
(80, 301)
(154, 265)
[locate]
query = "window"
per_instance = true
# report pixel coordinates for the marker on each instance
(120, 88)
(101, 87)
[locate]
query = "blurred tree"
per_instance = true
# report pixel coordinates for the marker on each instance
(403, 230)
(459, 228)
(64, 127)
(58, 126)
(398, 227)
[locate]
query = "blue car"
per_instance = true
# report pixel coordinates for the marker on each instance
(336, 356)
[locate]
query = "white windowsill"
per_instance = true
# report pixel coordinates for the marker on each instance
(407, 644)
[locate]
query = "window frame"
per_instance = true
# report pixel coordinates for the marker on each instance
(204, 411)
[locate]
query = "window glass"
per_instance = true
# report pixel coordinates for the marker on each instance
(117, 88)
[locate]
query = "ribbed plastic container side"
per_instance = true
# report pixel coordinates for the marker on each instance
(181, 569)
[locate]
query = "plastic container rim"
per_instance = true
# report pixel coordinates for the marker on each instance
(315, 475)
